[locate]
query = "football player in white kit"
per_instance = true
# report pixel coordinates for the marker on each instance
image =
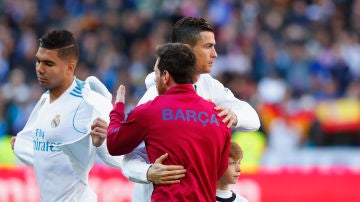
(200, 36)
(55, 140)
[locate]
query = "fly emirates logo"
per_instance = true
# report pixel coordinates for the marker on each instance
(189, 115)
(40, 144)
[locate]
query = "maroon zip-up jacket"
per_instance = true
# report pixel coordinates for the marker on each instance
(185, 126)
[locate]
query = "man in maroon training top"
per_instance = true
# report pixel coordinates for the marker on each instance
(177, 122)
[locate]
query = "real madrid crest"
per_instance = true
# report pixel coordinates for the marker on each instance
(56, 121)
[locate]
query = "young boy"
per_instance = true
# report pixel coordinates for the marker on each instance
(231, 175)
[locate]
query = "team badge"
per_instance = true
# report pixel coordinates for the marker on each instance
(56, 121)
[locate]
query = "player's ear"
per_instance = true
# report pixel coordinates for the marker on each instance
(71, 66)
(166, 76)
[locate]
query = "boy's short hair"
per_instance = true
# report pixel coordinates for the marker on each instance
(235, 151)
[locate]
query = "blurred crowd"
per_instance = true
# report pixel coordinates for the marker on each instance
(297, 62)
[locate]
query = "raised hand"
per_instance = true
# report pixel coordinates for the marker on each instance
(120, 94)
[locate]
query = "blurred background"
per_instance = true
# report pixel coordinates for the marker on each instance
(297, 62)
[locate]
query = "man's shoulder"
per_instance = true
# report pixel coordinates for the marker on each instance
(207, 79)
(93, 92)
(96, 85)
(97, 97)
(205, 76)
(95, 101)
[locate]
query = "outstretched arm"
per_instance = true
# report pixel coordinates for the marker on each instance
(98, 137)
(100, 124)
(136, 164)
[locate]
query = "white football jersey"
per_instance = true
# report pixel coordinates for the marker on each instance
(62, 153)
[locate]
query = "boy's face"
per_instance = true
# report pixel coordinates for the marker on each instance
(232, 173)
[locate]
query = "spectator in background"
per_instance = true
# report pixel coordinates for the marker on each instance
(16, 95)
(3, 123)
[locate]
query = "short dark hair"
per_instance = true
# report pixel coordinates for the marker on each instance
(178, 60)
(63, 41)
(187, 30)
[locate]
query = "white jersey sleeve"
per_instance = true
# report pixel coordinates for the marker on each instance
(211, 89)
(23, 147)
(96, 85)
(95, 105)
(102, 108)
(113, 161)
(80, 150)
(136, 164)
(135, 167)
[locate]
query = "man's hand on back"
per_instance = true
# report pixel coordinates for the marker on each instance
(165, 174)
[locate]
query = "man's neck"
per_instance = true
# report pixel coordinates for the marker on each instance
(196, 77)
(55, 93)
